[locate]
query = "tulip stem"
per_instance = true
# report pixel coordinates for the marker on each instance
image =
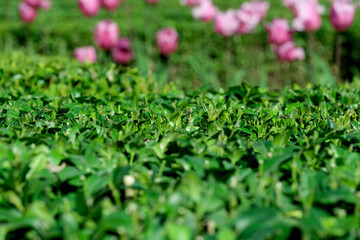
(45, 46)
(162, 73)
(311, 49)
(7, 10)
(129, 12)
(107, 57)
(338, 53)
(228, 59)
(28, 33)
(282, 74)
(284, 69)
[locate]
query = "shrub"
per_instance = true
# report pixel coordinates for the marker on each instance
(95, 152)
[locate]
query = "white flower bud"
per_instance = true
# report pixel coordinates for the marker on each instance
(129, 180)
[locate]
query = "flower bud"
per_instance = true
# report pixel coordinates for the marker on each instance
(279, 31)
(122, 52)
(128, 180)
(27, 13)
(85, 54)
(110, 4)
(106, 34)
(226, 23)
(167, 41)
(89, 7)
(342, 14)
(288, 52)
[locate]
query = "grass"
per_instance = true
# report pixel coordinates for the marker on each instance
(234, 164)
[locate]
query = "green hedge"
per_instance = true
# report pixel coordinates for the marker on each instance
(239, 164)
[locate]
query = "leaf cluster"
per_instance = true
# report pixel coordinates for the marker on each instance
(240, 164)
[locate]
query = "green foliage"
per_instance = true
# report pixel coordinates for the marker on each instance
(240, 164)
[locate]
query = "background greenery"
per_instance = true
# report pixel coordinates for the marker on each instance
(203, 57)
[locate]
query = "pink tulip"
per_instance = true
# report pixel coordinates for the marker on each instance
(106, 34)
(248, 20)
(45, 4)
(289, 3)
(89, 7)
(288, 52)
(206, 11)
(307, 15)
(167, 41)
(279, 31)
(122, 52)
(85, 54)
(190, 3)
(33, 3)
(342, 14)
(257, 7)
(110, 4)
(226, 23)
(27, 13)
(152, 1)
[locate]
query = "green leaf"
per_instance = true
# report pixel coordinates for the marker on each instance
(177, 232)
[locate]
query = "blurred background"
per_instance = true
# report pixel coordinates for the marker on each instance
(203, 58)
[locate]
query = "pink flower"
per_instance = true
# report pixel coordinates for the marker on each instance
(110, 4)
(342, 14)
(167, 41)
(152, 1)
(289, 3)
(279, 31)
(45, 4)
(257, 7)
(206, 11)
(85, 54)
(190, 3)
(292, 3)
(307, 15)
(226, 23)
(89, 7)
(27, 12)
(122, 52)
(106, 34)
(288, 52)
(248, 20)
(33, 3)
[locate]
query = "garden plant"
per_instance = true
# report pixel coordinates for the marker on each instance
(179, 120)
